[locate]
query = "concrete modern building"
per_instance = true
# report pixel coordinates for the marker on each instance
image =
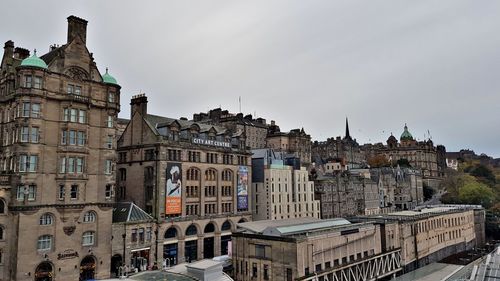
(281, 191)
(193, 178)
(307, 249)
(255, 129)
(57, 116)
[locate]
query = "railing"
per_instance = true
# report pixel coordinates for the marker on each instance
(372, 268)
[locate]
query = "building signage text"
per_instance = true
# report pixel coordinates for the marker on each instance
(212, 142)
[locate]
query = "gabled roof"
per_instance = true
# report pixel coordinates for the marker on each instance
(129, 212)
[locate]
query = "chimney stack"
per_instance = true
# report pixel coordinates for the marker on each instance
(21, 53)
(77, 27)
(8, 49)
(139, 103)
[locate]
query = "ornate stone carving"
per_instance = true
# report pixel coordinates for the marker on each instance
(77, 73)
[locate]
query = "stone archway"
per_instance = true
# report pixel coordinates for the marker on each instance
(44, 272)
(116, 262)
(87, 268)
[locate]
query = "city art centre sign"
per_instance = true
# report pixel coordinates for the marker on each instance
(212, 142)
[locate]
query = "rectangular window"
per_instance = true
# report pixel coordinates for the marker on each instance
(71, 165)
(109, 121)
(81, 138)
(141, 235)
(22, 163)
(79, 165)
(78, 90)
(38, 82)
(20, 193)
(26, 109)
(61, 192)
(72, 137)
(149, 232)
(34, 135)
(108, 192)
(73, 115)
(27, 81)
(108, 167)
(266, 272)
(82, 116)
(122, 156)
(62, 168)
(35, 110)
(71, 89)
(109, 142)
(66, 114)
(74, 192)
(32, 192)
(25, 134)
(254, 270)
(33, 161)
(149, 154)
(134, 235)
(111, 97)
(260, 251)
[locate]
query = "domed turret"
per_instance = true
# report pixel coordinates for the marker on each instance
(406, 136)
(106, 78)
(34, 61)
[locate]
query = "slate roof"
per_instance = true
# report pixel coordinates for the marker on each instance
(129, 212)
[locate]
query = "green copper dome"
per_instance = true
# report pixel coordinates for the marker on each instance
(34, 61)
(106, 78)
(406, 134)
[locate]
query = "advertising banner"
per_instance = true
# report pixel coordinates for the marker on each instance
(242, 188)
(173, 204)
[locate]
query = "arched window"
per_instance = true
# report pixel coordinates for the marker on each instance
(46, 219)
(193, 174)
(226, 226)
(171, 233)
(191, 230)
(2, 206)
(210, 175)
(1, 232)
(88, 238)
(89, 216)
(209, 228)
(44, 242)
(227, 175)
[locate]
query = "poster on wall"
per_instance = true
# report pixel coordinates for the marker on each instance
(173, 202)
(242, 188)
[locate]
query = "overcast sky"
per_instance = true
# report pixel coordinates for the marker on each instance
(432, 64)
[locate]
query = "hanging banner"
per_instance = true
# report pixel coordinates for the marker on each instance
(173, 204)
(242, 188)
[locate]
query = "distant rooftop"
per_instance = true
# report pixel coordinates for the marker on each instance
(129, 212)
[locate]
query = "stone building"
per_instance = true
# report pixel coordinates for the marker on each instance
(345, 149)
(281, 191)
(57, 116)
(423, 155)
(255, 129)
(400, 188)
(134, 237)
(429, 234)
(345, 194)
(295, 142)
(193, 178)
(295, 249)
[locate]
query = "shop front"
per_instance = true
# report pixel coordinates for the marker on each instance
(140, 259)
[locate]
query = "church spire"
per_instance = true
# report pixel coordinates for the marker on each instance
(347, 135)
